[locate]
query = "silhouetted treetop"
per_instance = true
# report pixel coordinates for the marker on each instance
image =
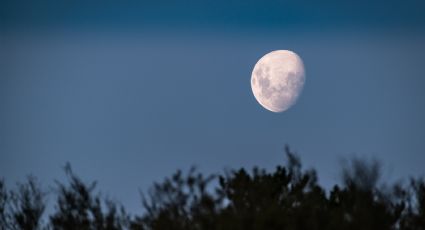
(78, 208)
(287, 197)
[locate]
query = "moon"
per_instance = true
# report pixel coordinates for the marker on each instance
(277, 80)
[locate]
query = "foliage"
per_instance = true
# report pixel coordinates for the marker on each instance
(22, 209)
(78, 208)
(286, 198)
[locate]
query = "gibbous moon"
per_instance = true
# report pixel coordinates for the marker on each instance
(278, 79)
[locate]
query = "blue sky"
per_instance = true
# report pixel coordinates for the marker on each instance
(130, 92)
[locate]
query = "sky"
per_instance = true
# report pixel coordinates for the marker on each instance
(130, 92)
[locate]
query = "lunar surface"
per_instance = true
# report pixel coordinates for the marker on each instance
(278, 79)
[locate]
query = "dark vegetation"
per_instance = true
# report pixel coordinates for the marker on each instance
(287, 198)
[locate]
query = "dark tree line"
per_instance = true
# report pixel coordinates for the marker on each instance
(287, 198)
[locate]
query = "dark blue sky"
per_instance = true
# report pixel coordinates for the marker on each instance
(129, 92)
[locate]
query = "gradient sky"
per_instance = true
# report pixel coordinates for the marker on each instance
(129, 92)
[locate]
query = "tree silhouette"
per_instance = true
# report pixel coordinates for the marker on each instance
(22, 209)
(360, 204)
(78, 208)
(4, 200)
(414, 216)
(179, 203)
(285, 198)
